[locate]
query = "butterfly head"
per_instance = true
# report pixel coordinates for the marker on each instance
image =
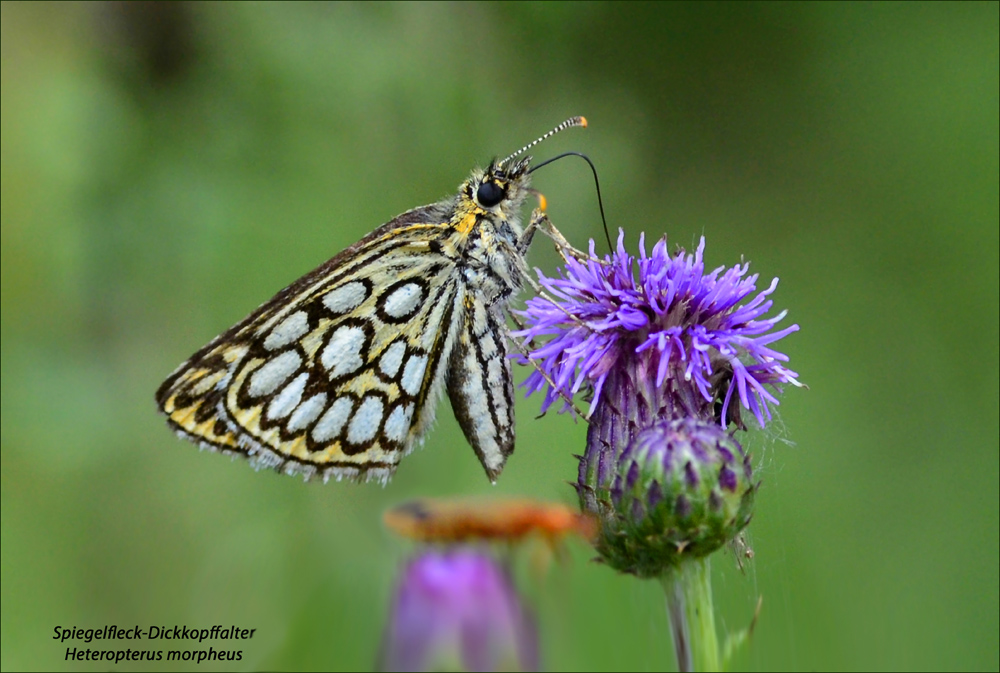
(499, 190)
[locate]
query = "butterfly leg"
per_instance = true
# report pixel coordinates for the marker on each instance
(531, 282)
(538, 217)
(545, 375)
(541, 222)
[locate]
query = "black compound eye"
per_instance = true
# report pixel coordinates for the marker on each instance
(489, 194)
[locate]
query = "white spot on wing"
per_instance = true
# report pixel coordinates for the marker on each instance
(365, 422)
(476, 397)
(493, 458)
(273, 373)
(288, 398)
(488, 345)
(287, 331)
(392, 358)
(332, 422)
(307, 412)
(207, 382)
(398, 423)
(494, 373)
(413, 373)
(345, 297)
(342, 354)
(480, 321)
(403, 301)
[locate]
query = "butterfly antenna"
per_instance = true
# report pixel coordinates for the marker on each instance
(568, 124)
(597, 183)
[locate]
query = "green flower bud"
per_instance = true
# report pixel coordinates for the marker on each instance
(682, 489)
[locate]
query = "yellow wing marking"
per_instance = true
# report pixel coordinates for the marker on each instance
(465, 225)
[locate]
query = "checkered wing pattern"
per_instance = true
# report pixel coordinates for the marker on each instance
(338, 374)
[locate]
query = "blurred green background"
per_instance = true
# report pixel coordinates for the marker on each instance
(166, 168)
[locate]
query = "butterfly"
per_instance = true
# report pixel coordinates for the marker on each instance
(338, 375)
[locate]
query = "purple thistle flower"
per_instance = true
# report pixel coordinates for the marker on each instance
(458, 610)
(669, 354)
(649, 339)
(678, 321)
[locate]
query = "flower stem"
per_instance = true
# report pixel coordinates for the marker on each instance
(692, 616)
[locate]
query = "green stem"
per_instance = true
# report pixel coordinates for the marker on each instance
(692, 615)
